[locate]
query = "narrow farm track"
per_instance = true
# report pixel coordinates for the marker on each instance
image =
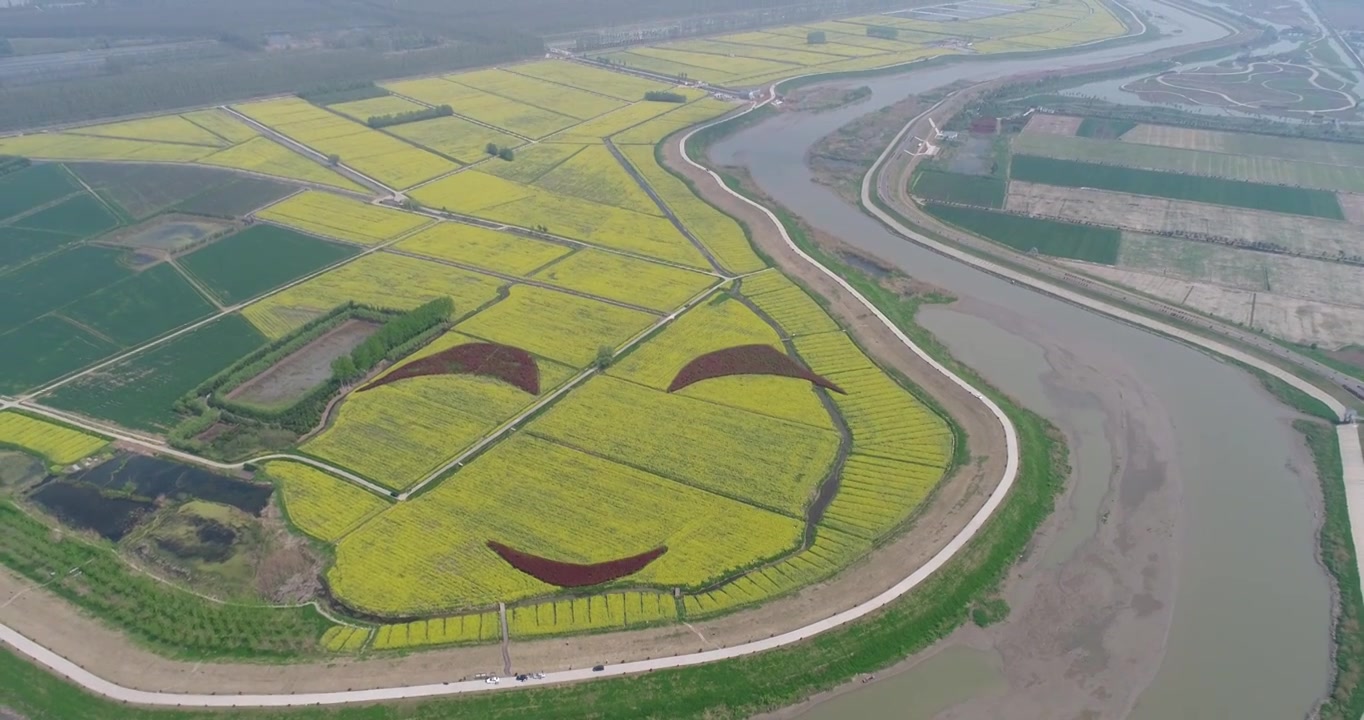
(667, 211)
(96, 684)
(310, 153)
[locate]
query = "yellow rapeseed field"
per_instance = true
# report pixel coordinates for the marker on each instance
(715, 325)
(268, 157)
(363, 110)
(796, 312)
(562, 99)
(166, 128)
(561, 327)
(771, 463)
(223, 124)
(717, 231)
(831, 552)
(320, 504)
(382, 157)
(483, 248)
(612, 611)
(67, 146)
(453, 630)
(343, 218)
(532, 161)
(515, 117)
(652, 132)
(626, 279)
(876, 494)
(487, 196)
(462, 140)
(382, 280)
(594, 174)
(611, 123)
(57, 444)
(546, 499)
(399, 433)
(599, 80)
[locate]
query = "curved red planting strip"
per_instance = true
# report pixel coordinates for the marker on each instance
(746, 360)
(511, 364)
(572, 575)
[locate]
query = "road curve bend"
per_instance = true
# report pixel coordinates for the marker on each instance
(100, 686)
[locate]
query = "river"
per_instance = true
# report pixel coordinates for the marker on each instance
(1178, 577)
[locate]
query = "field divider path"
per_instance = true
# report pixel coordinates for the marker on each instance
(308, 152)
(667, 211)
(511, 424)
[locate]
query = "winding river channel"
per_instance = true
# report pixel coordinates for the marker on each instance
(1179, 576)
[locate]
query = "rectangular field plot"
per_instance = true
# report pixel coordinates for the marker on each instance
(34, 187)
(544, 498)
(487, 196)
(69, 146)
(343, 218)
(1304, 235)
(363, 110)
(575, 103)
(618, 85)
(527, 121)
(532, 161)
(1273, 171)
(46, 349)
(718, 232)
(978, 190)
(1230, 143)
(479, 247)
(81, 216)
(371, 152)
(593, 174)
(456, 630)
(322, 505)
(1234, 193)
(421, 423)
(598, 612)
(58, 444)
(831, 552)
(393, 282)
(260, 258)
(562, 327)
(720, 323)
(626, 279)
(462, 140)
(223, 124)
(148, 304)
(616, 121)
(1025, 234)
(144, 190)
(704, 66)
(653, 131)
(18, 246)
(30, 291)
(140, 391)
(167, 128)
(267, 157)
(770, 463)
(787, 304)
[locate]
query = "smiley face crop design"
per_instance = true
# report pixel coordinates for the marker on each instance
(518, 368)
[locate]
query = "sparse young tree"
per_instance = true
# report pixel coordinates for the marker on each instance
(333, 159)
(491, 148)
(506, 154)
(605, 356)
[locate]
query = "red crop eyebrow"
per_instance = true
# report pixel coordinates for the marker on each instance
(504, 362)
(746, 360)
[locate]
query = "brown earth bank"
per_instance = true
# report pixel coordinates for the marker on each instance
(111, 655)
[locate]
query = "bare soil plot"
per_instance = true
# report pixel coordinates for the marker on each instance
(1234, 143)
(1243, 269)
(311, 365)
(1040, 124)
(1293, 319)
(167, 234)
(1307, 236)
(1352, 206)
(1271, 88)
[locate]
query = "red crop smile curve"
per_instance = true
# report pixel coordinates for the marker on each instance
(565, 574)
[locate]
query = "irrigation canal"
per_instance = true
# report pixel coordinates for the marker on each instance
(1179, 576)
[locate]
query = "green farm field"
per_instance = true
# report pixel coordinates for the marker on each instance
(29, 292)
(139, 391)
(20, 245)
(1248, 168)
(258, 259)
(81, 216)
(144, 190)
(46, 349)
(139, 308)
(28, 189)
(1234, 193)
(1076, 242)
(978, 190)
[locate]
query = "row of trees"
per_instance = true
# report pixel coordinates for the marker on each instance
(380, 121)
(883, 32)
(333, 93)
(394, 334)
(505, 153)
(664, 96)
(12, 163)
